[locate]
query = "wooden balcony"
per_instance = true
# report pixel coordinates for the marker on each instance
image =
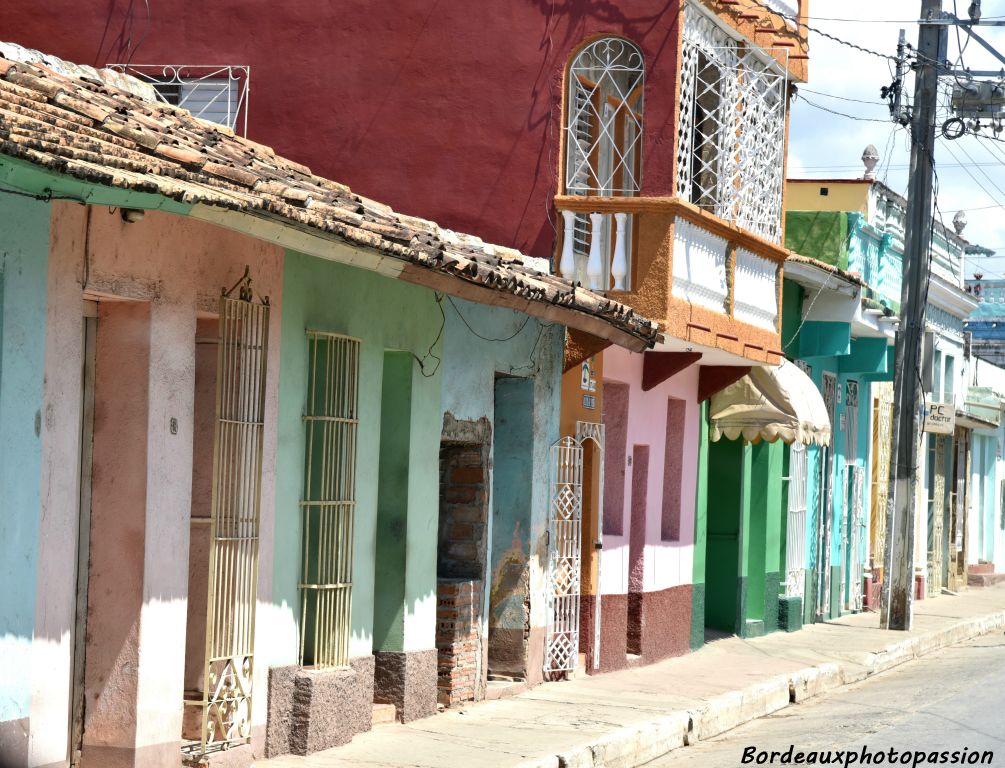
(707, 282)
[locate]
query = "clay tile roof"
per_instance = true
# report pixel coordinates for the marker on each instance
(108, 128)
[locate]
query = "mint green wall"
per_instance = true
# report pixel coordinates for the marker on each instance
(385, 314)
(24, 258)
(392, 501)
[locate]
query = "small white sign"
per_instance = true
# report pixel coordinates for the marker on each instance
(940, 418)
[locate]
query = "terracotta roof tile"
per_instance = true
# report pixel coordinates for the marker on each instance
(105, 128)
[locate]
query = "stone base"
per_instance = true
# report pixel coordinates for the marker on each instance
(772, 588)
(14, 743)
(315, 709)
(697, 616)
(666, 627)
(810, 597)
(407, 680)
(790, 614)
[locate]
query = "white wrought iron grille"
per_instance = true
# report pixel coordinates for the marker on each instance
(593, 432)
(215, 93)
(234, 524)
(604, 124)
(603, 139)
(564, 556)
(829, 389)
(329, 503)
(795, 532)
(731, 128)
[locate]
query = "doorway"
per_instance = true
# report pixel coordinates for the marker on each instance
(78, 701)
(722, 558)
(509, 599)
(460, 571)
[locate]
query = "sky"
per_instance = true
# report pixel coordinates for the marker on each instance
(971, 170)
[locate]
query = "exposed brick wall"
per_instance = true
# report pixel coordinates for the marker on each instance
(458, 631)
(463, 511)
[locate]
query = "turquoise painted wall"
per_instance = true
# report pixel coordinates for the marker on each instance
(385, 314)
(479, 342)
(24, 257)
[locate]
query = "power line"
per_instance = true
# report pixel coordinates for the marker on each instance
(843, 114)
(804, 89)
(828, 35)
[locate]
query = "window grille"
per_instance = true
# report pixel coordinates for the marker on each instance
(731, 131)
(329, 503)
(234, 524)
(217, 94)
(795, 532)
(603, 135)
(604, 125)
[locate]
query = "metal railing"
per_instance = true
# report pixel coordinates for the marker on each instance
(215, 93)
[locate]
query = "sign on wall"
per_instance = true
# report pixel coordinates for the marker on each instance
(939, 418)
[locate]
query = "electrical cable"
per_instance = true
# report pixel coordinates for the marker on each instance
(820, 32)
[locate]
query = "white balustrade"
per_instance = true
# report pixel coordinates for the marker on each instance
(755, 290)
(592, 259)
(699, 266)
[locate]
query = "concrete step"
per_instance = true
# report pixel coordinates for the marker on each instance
(501, 689)
(984, 579)
(384, 714)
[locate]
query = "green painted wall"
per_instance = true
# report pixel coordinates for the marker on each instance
(722, 547)
(822, 235)
(698, 590)
(324, 296)
(392, 502)
(24, 258)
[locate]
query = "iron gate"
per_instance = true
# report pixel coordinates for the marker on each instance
(564, 556)
(795, 533)
(827, 498)
(856, 537)
(233, 555)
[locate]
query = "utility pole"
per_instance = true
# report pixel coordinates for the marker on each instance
(908, 398)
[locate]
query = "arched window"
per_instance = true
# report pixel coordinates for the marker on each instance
(604, 119)
(603, 148)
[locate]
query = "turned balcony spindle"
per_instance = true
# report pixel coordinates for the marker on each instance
(595, 262)
(567, 266)
(619, 264)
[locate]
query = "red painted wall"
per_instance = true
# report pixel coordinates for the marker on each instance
(447, 109)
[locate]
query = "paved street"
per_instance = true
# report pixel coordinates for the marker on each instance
(949, 700)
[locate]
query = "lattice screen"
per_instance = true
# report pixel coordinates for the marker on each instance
(731, 131)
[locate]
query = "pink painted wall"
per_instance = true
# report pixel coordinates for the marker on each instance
(172, 268)
(665, 563)
(118, 526)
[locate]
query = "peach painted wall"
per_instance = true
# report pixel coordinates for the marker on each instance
(666, 563)
(177, 267)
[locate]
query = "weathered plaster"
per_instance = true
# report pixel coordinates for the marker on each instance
(24, 250)
(178, 267)
(520, 347)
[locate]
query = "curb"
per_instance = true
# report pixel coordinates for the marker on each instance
(640, 743)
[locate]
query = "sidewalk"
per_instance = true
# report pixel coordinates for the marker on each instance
(629, 718)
